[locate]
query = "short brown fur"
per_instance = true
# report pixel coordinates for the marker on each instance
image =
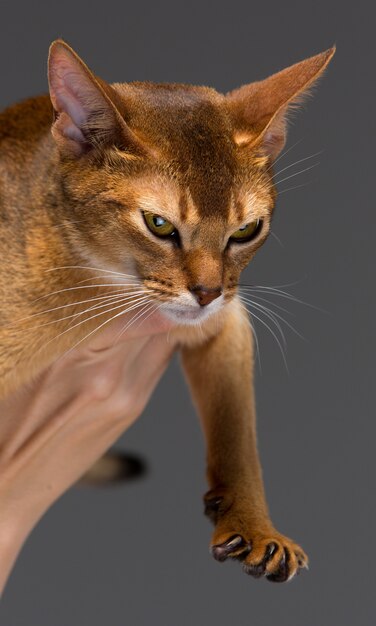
(70, 200)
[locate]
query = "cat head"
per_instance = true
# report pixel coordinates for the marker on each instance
(172, 183)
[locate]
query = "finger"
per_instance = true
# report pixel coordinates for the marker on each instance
(60, 451)
(96, 376)
(85, 429)
(131, 376)
(135, 383)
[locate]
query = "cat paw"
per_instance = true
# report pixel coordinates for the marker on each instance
(262, 551)
(269, 555)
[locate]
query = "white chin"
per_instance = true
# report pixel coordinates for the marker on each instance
(186, 316)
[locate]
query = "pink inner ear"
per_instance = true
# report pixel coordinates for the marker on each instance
(69, 89)
(273, 140)
(69, 129)
(274, 136)
(87, 115)
(73, 95)
(67, 102)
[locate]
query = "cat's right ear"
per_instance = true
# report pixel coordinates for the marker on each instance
(86, 115)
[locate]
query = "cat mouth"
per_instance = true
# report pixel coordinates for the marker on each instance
(188, 315)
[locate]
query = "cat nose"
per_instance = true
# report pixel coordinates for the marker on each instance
(204, 296)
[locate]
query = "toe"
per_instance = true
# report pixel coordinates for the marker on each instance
(302, 558)
(255, 567)
(281, 573)
(231, 548)
(286, 569)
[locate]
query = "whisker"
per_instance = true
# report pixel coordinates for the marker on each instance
(274, 335)
(114, 299)
(282, 294)
(311, 156)
(292, 188)
(283, 154)
(280, 317)
(70, 304)
(295, 282)
(141, 299)
(277, 306)
(87, 267)
(110, 301)
(306, 169)
(145, 309)
(135, 282)
(267, 314)
(101, 326)
(155, 311)
(277, 239)
(114, 285)
(272, 288)
(253, 329)
(268, 290)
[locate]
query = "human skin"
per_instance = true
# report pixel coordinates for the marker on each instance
(74, 410)
(113, 156)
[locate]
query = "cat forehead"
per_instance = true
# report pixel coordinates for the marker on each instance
(172, 102)
(191, 131)
(175, 115)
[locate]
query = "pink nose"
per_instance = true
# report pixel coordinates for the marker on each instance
(205, 296)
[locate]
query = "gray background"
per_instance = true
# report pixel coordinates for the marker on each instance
(138, 554)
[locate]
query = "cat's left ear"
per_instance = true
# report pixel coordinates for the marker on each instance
(87, 109)
(259, 110)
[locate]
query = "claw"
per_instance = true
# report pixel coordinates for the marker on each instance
(212, 507)
(258, 570)
(282, 573)
(222, 551)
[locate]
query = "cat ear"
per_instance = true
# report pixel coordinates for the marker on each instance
(86, 115)
(259, 110)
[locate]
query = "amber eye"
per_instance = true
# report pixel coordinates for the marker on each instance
(158, 225)
(246, 232)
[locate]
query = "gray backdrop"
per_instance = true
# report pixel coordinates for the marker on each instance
(138, 554)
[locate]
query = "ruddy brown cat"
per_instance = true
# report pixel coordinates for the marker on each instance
(138, 197)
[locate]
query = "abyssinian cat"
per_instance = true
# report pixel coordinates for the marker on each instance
(141, 196)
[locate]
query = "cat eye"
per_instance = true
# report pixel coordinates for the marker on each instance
(246, 232)
(159, 226)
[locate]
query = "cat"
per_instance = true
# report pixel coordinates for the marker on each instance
(140, 196)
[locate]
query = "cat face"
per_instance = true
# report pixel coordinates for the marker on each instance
(170, 183)
(191, 259)
(186, 217)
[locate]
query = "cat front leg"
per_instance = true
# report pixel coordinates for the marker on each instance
(220, 375)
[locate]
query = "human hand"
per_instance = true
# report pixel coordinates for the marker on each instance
(54, 429)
